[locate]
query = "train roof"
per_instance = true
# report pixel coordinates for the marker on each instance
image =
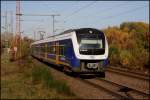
(69, 31)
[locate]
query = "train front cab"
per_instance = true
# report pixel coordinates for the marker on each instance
(88, 67)
(91, 43)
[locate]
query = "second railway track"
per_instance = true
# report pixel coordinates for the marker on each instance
(140, 76)
(117, 90)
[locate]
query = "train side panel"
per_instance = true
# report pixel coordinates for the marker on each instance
(64, 50)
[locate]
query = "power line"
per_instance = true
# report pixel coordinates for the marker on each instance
(122, 13)
(110, 8)
(49, 8)
(32, 20)
(78, 10)
(129, 11)
(76, 2)
(52, 15)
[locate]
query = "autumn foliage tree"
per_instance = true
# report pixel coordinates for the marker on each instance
(129, 44)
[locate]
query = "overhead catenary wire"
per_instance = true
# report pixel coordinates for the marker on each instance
(120, 14)
(111, 8)
(32, 20)
(76, 2)
(125, 12)
(78, 10)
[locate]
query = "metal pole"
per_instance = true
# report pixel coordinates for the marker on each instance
(5, 25)
(34, 35)
(12, 22)
(6, 18)
(53, 16)
(53, 23)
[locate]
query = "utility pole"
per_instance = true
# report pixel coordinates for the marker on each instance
(34, 35)
(11, 15)
(16, 44)
(52, 15)
(41, 34)
(6, 25)
(18, 17)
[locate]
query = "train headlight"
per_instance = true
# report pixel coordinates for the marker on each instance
(92, 65)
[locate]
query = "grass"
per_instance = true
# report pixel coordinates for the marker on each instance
(30, 80)
(42, 74)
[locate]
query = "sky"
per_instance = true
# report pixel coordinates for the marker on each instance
(73, 14)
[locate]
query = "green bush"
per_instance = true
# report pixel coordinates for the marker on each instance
(113, 54)
(43, 75)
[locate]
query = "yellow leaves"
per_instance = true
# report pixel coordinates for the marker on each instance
(125, 62)
(117, 37)
(128, 44)
(125, 57)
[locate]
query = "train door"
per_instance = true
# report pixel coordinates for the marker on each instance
(46, 46)
(57, 52)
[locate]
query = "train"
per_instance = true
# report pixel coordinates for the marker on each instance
(83, 51)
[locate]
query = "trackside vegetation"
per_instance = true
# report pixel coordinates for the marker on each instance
(42, 75)
(27, 78)
(129, 45)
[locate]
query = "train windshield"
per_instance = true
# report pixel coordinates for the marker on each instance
(91, 41)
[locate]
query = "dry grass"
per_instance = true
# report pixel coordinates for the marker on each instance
(27, 82)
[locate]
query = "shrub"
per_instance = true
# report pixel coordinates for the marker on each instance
(113, 54)
(41, 74)
(129, 44)
(125, 58)
(141, 56)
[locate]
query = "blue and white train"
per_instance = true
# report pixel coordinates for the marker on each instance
(82, 51)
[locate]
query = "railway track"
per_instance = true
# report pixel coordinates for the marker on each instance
(111, 92)
(129, 73)
(123, 88)
(114, 89)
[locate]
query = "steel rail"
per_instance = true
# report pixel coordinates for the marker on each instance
(126, 73)
(113, 93)
(124, 87)
(129, 71)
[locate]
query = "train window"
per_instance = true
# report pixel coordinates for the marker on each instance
(39, 48)
(52, 49)
(45, 47)
(42, 48)
(62, 50)
(97, 43)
